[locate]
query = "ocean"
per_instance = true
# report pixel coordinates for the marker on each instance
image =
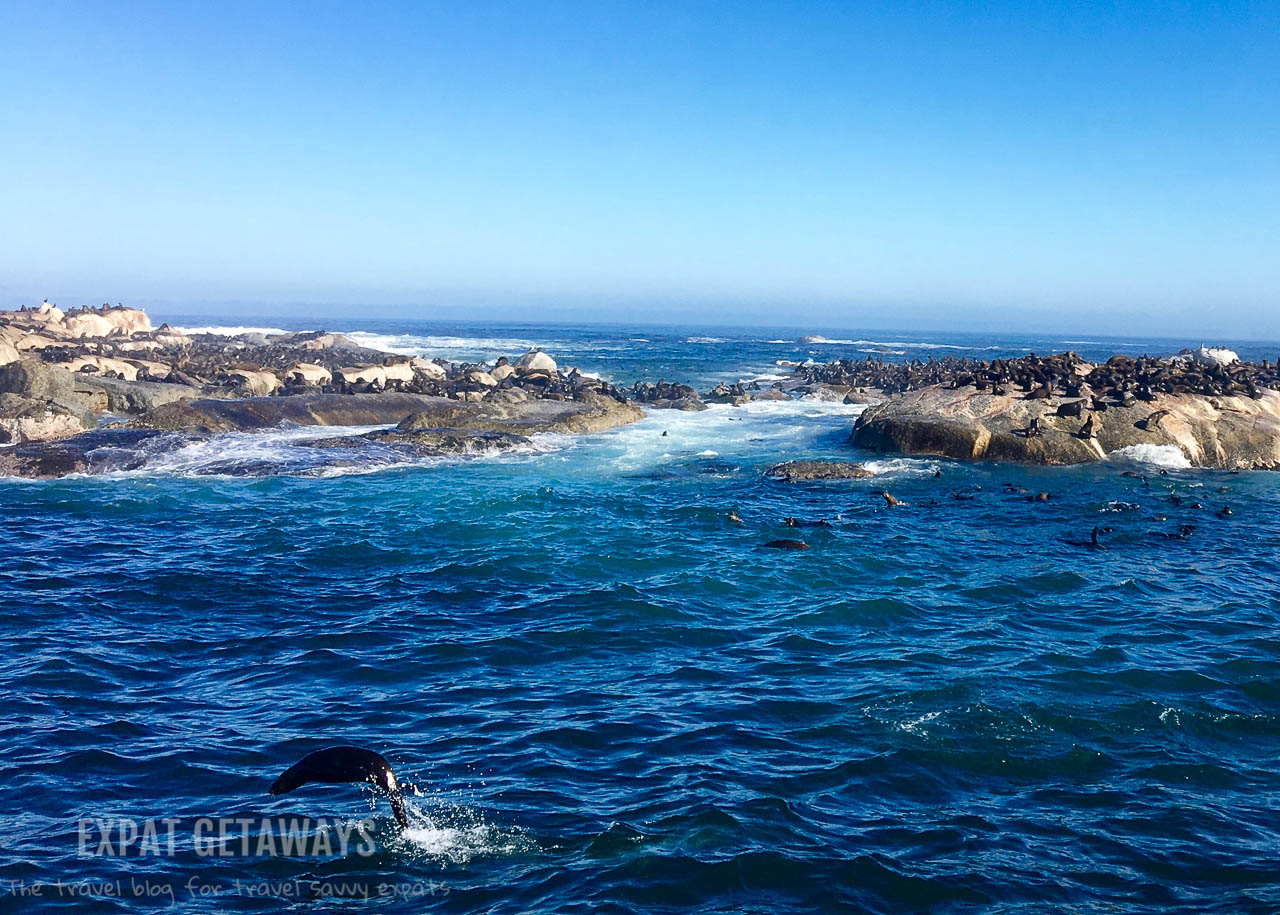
(601, 694)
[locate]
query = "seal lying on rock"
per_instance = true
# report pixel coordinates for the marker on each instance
(1240, 432)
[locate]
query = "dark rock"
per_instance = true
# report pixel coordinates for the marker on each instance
(801, 471)
(35, 379)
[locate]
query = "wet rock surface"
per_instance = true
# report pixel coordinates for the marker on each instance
(1078, 422)
(58, 369)
(805, 471)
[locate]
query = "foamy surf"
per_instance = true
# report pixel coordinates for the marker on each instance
(1169, 457)
(229, 330)
(889, 345)
(285, 451)
(902, 467)
(474, 349)
(747, 432)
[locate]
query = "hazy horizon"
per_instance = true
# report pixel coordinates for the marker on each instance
(1046, 167)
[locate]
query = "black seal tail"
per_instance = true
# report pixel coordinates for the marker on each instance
(337, 765)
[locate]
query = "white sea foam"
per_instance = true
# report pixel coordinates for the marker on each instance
(444, 344)
(902, 467)
(1099, 343)
(284, 451)
(456, 834)
(916, 725)
(1170, 457)
(883, 344)
(229, 330)
(764, 376)
(460, 844)
(756, 431)
(705, 340)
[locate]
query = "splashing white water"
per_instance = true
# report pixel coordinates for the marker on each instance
(902, 467)
(469, 349)
(1170, 457)
(757, 430)
(882, 344)
(285, 451)
(452, 833)
(229, 330)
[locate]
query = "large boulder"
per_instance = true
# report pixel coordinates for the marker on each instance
(49, 313)
(536, 361)
(247, 414)
(429, 368)
(8, 353)
(1222, 432)
(398, 371)
(308, 373)
(104, 365)
(88, 324)
(128, 321)
(114, 395)
(33, 342)
(167, 336)
(254, 383)
(25, 419)
(35, 379)
(361, 374)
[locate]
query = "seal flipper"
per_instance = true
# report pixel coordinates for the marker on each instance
(336, 765)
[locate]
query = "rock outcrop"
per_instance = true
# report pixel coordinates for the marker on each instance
(1228, 432)
(807, 471)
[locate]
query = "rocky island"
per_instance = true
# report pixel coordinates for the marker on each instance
(98, 389)
(1218, 411)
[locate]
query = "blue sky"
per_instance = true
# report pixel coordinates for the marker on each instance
(1018, 166)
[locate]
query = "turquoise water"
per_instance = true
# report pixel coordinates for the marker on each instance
(604, 694)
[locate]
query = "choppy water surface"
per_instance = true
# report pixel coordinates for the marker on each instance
(606, 694)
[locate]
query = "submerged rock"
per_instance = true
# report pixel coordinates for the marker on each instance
(100, 451)
(801, 471)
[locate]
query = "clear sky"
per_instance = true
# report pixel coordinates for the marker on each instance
(899, 164)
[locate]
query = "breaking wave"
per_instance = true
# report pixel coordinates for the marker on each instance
(1168, 456)
(229, 330)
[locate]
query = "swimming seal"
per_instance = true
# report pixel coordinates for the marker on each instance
(337, 765)
(1090, 544)
(786, 545)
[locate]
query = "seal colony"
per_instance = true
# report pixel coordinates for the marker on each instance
(1217, 411)
(98, 389)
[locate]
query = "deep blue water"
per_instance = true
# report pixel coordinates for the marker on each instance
(608, 697)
